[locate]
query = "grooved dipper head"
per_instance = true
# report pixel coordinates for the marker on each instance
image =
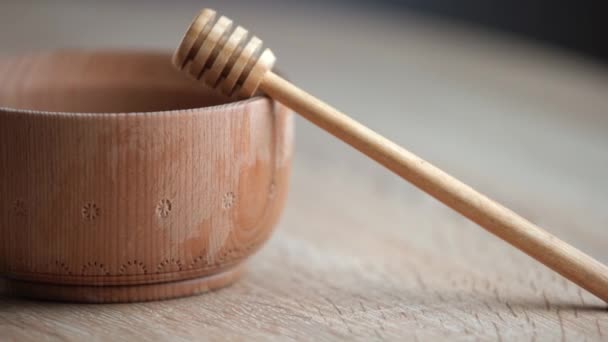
(223, 56)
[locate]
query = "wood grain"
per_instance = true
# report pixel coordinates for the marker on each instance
(111, 195)
(396, 264)
(377, 277)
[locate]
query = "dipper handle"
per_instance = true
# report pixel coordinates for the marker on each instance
(556, 254)
(226, 60)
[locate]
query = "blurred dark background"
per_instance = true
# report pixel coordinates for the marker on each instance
(578, 26)
(575, 26)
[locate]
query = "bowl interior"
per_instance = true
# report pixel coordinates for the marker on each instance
(100, 82)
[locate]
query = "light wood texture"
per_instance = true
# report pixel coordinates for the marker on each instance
(110, 195)
(205, 46)
(366, 256)
(373, 278)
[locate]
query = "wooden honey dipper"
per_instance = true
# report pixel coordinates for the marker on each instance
(223, 56)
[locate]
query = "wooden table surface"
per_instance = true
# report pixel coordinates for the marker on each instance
(359, 254)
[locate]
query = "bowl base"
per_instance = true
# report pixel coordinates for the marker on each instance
(122, 293)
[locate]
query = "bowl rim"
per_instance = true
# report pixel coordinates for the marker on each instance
(236, 104)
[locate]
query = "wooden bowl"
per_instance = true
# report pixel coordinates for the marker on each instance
(124, 181)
